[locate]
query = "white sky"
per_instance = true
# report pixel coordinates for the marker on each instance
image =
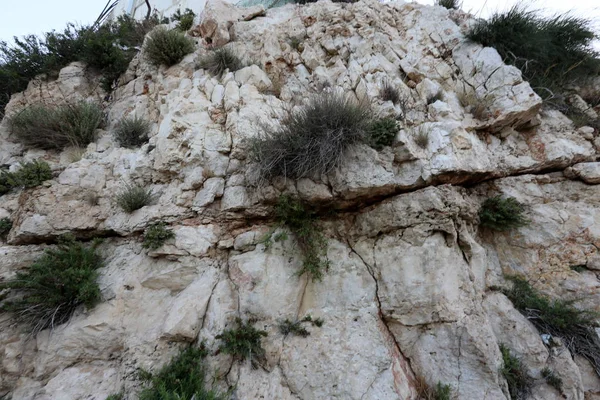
(21, 17)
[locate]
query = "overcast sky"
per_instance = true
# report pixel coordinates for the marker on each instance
(21, 17)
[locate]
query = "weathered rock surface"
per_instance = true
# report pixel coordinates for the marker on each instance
(410, 288)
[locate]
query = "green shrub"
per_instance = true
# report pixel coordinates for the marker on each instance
(311, 141)
(296, 328)
(313, 245)
(30, 174)
(167, 47)
(449, 4)
(134, 197)
(56, 284)
(519, 383)
(132, 132)
(216, 62)
(185, 20)
(182, 378)
(107, 48)
(5, 227)
(552, 379)
(243, 342)
(156, 235)
(502, 213)
(552, 52)
(382, 132)
(558, 318)
(427, 392)
(55, 128)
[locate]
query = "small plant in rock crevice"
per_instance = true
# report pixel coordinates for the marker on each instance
(156, 235)
(558, 318)
(421, 137)
(5, 227)
(519, 383)
(382, 132)
(311, 140)
(449, 4)
(167, 47)
(182, 378)
(428, 392)
(243, 342)
(30, 174)
(216, 62)
(292, 214)
(552, 379)
(389, 92)
(501, 214)
(287, 326)
(134, 197)
(132, 132)
(48, 292)
(185, 20)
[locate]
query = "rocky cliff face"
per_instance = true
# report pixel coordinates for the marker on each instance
(410, 288)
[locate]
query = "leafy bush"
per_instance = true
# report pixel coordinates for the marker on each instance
(295, 327)
(382, 132)
(156, 235)
(312, 140)
(519, 383)
(216, 62)
(5, 227)
(558, 318)
(243, 342)
(552, 379)
(132, 132)
(185, 20)
(313, 245)
(182, 378)
(107, 48)
(30, 174)
(134, 197)
(54, 128)
(449, 4)
(502, 213)
(552, 52)
(167, 47)
(56, 284)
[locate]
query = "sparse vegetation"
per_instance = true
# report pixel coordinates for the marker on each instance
(439, 95)
(49, 291)
(313, 245)
(30, 174)
(216, 62)
(296, 328)
(312, 140)
(156, 235)
(558, 318)
(243, 342)
(552, 52)
(183, 378)
(449, 4)
(427, 392)
(388, 92)
(421, 136)
(117, 396)
(132, 132)
(134, 197)
(382, 132)
(502, 214)
(185, 19)
(167, 47)
(295, 42)
(478, 106)
(552, 379)
(55, 128)
(519, 383)
(5, 227)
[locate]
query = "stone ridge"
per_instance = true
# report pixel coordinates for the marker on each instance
(410, 291)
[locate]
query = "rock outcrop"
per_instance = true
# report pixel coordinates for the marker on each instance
(410, 288)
